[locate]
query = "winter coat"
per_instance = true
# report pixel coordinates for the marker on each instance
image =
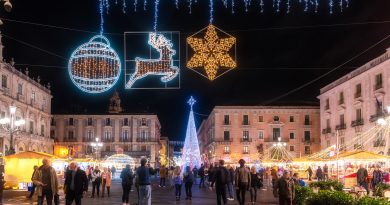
(163, 172)
(37, 180)
(108, 176)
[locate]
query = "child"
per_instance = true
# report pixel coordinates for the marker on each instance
(178, 180)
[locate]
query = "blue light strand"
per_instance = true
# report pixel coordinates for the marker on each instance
(107, 4)
(135, 5)
(278, 6)
(347, 3)
(316, 4)
(261, 6)
(331, 6)
(190, 5)
(246, 3)
(124, 6)
(225, 3)
(156, 2)
(306, 5)
(233, 6)
(145, 4)
(211, 5)
(101, 16)
(177, 4)
(341, 5)
(116, 2)
(288, 6)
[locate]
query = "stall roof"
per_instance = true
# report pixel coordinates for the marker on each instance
(31, 155)
(361, 155)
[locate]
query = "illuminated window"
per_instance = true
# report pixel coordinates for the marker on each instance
(291, 148)
(246, 150)
(89, 135)
(125, 135)
(245, 135)
(226, 149)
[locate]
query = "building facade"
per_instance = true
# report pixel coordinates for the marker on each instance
(33, 104)
(234, 132)
(351, 105)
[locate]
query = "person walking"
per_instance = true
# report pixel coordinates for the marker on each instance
(178, 181)
(107, 177)
(201, 173)
(255, 180)
(188, 180)
(96, 181)
(145, 190)
(242, 181)
(377, 177)
(220, 179)
(319, 174)
(326, 176)
(46, 182)
(127, 181)
(310, 172)
(33, 185)
(195, 171)
(362, 175)
(76, 184)
(163, 176)
(284, 189)
(230, 181)
(274, 175)
(113, 171)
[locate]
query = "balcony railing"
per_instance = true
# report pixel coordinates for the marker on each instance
(226, 122)
(224, 140)
(307, 152)
(308, 140)
(341, 127)
(357, 122)
(129, 153)
(111, 139)
(246, 140)
(145, 140)
(326, 130)
(307, 123)
(125, 139)
(271, 139)
(70, 139)
(245, 123)
(226, 152)
(375, 117)
(379, 143)
(245, 152)
(86, 139)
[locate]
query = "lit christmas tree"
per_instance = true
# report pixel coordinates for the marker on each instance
(191, 153)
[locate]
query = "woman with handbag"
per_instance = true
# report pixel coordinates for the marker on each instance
(96, 180)
(254, 184)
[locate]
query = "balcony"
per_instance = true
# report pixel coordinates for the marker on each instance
(143, 140)
(111, 139)
(223, 141)
(69, 140)
(327, 130)
(125, 139)
(226, 152)
(357, 122)
(226, 123)
(246, 140)
(379, 143)
(308, 140)
(341, 127)
(375, 117)
(86, 139)
(307, 123)
(129, 153)
(245, 152)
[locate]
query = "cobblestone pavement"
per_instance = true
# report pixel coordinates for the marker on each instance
(160, 195)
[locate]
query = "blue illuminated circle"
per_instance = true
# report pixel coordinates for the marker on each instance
(94, 67)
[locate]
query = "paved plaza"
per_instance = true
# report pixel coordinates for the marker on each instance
(161, 196)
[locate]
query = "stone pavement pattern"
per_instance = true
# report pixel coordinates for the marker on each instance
(160, 196)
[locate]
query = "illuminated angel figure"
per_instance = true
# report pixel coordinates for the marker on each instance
(211, 52)
(161, 66)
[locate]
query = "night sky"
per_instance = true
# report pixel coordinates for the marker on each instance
(276, 52)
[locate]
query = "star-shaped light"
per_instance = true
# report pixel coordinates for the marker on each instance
(191, 102)
(211, 52)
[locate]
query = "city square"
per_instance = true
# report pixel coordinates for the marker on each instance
(195, 102)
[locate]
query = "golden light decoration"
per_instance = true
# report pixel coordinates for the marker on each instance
(212, 52)
(94, 67)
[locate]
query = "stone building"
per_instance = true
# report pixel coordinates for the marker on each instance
(352, 105)
(136, 135)
(33, 104)
(234, 132)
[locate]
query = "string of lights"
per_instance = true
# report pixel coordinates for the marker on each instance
(211, 5)
(156, 2)
(101, 16)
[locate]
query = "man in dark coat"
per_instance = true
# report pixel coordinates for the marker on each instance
(221, 178)
(284, 189)
(362, 175)
(76, 184)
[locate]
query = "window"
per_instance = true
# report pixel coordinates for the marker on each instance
(342, 120)
(276, 118)
(108, 121)
(341, 98)
(292, 135)
(226, 149)
(4, 81)
(43, 103)
(378, 81)
(31, 127)
(89, 135)
(327, 104)
(245, 120)
(143, 121)
(261, 118)
(42, 130)
(107, 135)
(307, 119)
(327, 123)
(327, 143)
(33, 96)
(108, 148)
(307, 149)
(291, 148)
(307, 136)
(358, 90)
(71, 121)
(261, 135)
(226, 120)
(125, 135)
(126, 122)
(52, 134)
(126, 148)
(71, 134)
(143, 135)
(89, 121)
(246, 150)
(20, 89)
(275, 134)
(245, 135)
(291, 118)
(342, 141)
(359, 114)
(226, 135)
(143, 148)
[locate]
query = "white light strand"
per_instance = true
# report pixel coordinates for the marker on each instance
(190, 5)
(306, 5)
(101, 16)
(211, 7)
(288, 6)
(278, 6)
(145, 4)
(233, 6)
(107, 4)
(156, 2)
(341, 5)
(316, 4)
(331, 6)
(135, 5)
(225, 3)
(177, 4)
(246, 3)
(261, 6)
(124, 6)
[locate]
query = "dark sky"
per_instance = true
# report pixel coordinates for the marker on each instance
(271, 62)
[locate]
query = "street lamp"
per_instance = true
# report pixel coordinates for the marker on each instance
(11, 125)
(96, 145)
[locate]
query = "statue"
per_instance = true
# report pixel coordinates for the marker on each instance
(115, 104)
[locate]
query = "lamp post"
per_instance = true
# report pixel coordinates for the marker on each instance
(96, 146)
(11, 125)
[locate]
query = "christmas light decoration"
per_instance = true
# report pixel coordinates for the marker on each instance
(94, 67)
(211, 52)
(161, 66)
(191, 153)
